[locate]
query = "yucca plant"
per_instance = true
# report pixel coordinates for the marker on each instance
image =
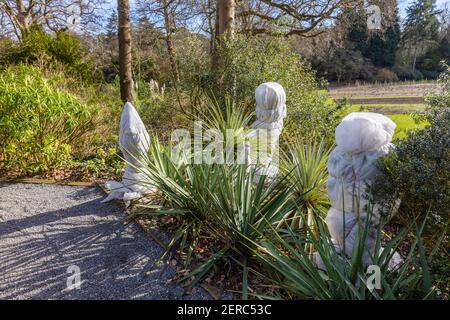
(295, 273)
(223, 118)
(221, 201)
(229, 120)
(305, 166)
(218, 200)
(241, 212)
(183, 190)
(185, 186)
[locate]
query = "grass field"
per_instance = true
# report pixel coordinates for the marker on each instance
(399, 98)
(404, 123)
(398, 101)
(398, 90)
(393, 108)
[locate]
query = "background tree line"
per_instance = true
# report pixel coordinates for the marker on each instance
(409, 48)
(331, 35)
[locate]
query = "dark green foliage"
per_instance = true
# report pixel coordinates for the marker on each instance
(430, 64)
(111, 24)
(382, 48)
(420, 46)
(346, 65)
(405, 73)
(418, 172)
(444, 49)
(357, 33)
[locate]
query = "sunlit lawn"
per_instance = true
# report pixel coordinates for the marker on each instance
(404, 123)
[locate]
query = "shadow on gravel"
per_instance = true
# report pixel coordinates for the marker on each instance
(116, 259)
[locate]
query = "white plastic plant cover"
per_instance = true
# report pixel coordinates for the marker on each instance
(361, 138)
(262, 147)
(134, 143)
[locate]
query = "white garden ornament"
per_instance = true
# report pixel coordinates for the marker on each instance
(262, 147)
(134, 143)
(361, 139)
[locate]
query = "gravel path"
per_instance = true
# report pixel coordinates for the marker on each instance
(46, 229)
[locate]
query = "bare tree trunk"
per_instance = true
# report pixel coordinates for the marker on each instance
(216, 38)
(225, 13)
(169, 40)
(226, 16)
(414, 59)
(125, 72)
(211, 25)
(22, 18)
